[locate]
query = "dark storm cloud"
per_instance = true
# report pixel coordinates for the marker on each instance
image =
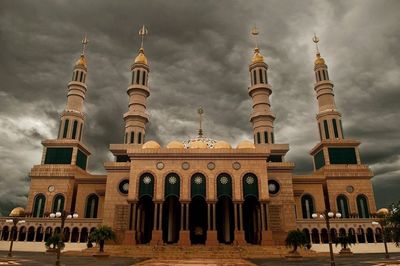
(199, 53)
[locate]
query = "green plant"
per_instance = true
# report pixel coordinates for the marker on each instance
(344, 241)
(101, 234)
(53, 242)
(393, 221)
(295, 239)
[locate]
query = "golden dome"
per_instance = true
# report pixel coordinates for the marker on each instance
(151, 145)
(257, 57)
(198, 145)
(17, 212)
(81, 61)
(245, 144)
(141, 58)
(383, 212)
(319, 60)
(175, 145)
(222, 145)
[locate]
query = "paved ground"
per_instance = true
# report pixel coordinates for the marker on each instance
(42, 259)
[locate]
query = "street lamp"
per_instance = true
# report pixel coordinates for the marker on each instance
(327, 216)
(63, 215)
(15, 215)
(382, 214)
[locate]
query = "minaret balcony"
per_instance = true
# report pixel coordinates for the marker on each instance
(138, 88)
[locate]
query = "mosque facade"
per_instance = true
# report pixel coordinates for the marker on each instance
(199, 191)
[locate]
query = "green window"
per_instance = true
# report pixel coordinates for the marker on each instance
(58, 156)
(342, 205)
(335, 129)
(250, 185)
(92, 204)
(65, 128)
(172, 185)
(307, 206)
(38, 206)
(319, 159)
(224, 185)
(146, 185)
(198, 185)
(58, 203)
(326, 129)
(362, 206)
(81, 159)
(342, 156)
(74, 129)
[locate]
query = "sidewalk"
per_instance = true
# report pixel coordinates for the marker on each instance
(358, 248)
(38, 246)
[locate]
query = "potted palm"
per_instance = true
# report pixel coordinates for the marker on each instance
(345, 241)
(295, 239)
(54, 242)
(100, 235)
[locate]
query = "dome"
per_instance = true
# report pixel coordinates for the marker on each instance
(209, 142)
(257, 57)
(198, 145)
(383, 211)
(319, 60)
(175, 145)
(81, 61)
(17, 212)
(141, 58)
(245, 144)
(222, 145)
(151, 145)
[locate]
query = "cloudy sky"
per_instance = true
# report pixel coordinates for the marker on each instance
(199, 53)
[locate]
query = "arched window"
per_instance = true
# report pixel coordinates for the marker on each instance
(342, 205)
(146, 185)
(254, 77)
(266, 78)
(140, 138)
(326, 129)
(133, 77)
(58, 203)
(65, 128)
(272, 138)
(307, 206)
(81, 77)
(224, 185)
(341, 128)
(261, 75)
(132, 137)
(250, 185)
(335, 129)
(138, 76)
(74, 129)
(266, 136)
(144, 78)
(92, 204)
(320, 133)
(362, 206)
(38, 206)
(258, 137)
(172, 185)
(198, 185)
(80, 132)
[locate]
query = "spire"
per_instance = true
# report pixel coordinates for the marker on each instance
(319, 60)
(141, 58)
(257, 57)
(200, 111)
(85, 42)
(82, 60)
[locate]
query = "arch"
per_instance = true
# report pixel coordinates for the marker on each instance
(315, 236)
(198, 185)
(360, 235)
(307, 233)
(47, 233)
(224, 185)
(342, 232)
(5, 233)
(225, 220)
(92, 204)
(198, 218)
(250, 185)
(334, 235)
(84, 235)
(57, 230)
(22, 233)
(146, 185)
(58, 203)
(307, 206)
(342, 205)
(67, 234)
(252, 220)
(140, 138)
(370, 235)
(31, 234)
(324, 236)
(74, 129)
(172, 185)
(378, 235)
(65, 132)
(362, 206)
(145, 219)
(352, 235)
(75, 235)
(39, 234)
(38, 205)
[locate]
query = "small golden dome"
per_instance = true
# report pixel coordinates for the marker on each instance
(319, 60)
(383, 211)
(151, 145)
(257, 57)
(81, 61)
(222, 145)
(17, 212)
(175, 145)
(198, 145)
(245, 144)
(141, 58)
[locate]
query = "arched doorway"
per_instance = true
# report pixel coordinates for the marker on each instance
(352, 235)
(324, 236)
(251, 210)
(370, 235)
(84, 235)
(75, 235)
(67, 234)
(39, 234)
(198, 214)
(360, 235)
(307, 233)
(145, 209)
(47, 233)
(31, 234)
(315, 236)
(224, 210)
(171, 209)
(22, 233)
(5, 233)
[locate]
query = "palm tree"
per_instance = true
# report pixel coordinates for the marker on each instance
(54, 241)
(295, 239)
(344, 241)
(101, 234)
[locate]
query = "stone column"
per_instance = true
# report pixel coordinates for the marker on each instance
(239, 233)
(184, 233)
(156, 238)
(214, 207)
(212, 238)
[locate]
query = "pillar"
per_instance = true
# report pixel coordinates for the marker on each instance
(156, 237)
(184, 233)
(239, 233)
(212, 238)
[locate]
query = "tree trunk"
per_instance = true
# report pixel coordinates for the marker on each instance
(101, 245)
(294, 248)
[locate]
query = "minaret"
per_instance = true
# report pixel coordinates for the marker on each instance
(136, 118)
(72, 118)
(261, 117)
(328, 117)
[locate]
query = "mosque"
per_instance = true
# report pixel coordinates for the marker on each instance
(199, 191)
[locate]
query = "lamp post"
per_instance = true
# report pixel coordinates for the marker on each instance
(63, 215)
(326, 215)
(16, 218)
(382, 214)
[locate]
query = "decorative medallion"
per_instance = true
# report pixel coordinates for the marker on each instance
(185, 165)
(211, 166)
(198, 180)
(249, 180)
(147, 180)
(236, 165)
(124, 186)
(51, 188)
(223, 180)
(160, 165)
(273, 187)
(350, 189)
(172, 180)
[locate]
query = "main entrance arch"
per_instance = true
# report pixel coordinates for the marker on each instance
(171, 209)
(251, 210)
(145, 210)
(224, 210)
(198, 214)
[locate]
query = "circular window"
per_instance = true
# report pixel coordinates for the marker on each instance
(185, 165)
(211, 166)
(160, 165)
(236, 165)
(51, 188)
(124, 186)
(273, 187)
(350, 189)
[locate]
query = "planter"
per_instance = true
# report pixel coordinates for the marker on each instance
(345, 252)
